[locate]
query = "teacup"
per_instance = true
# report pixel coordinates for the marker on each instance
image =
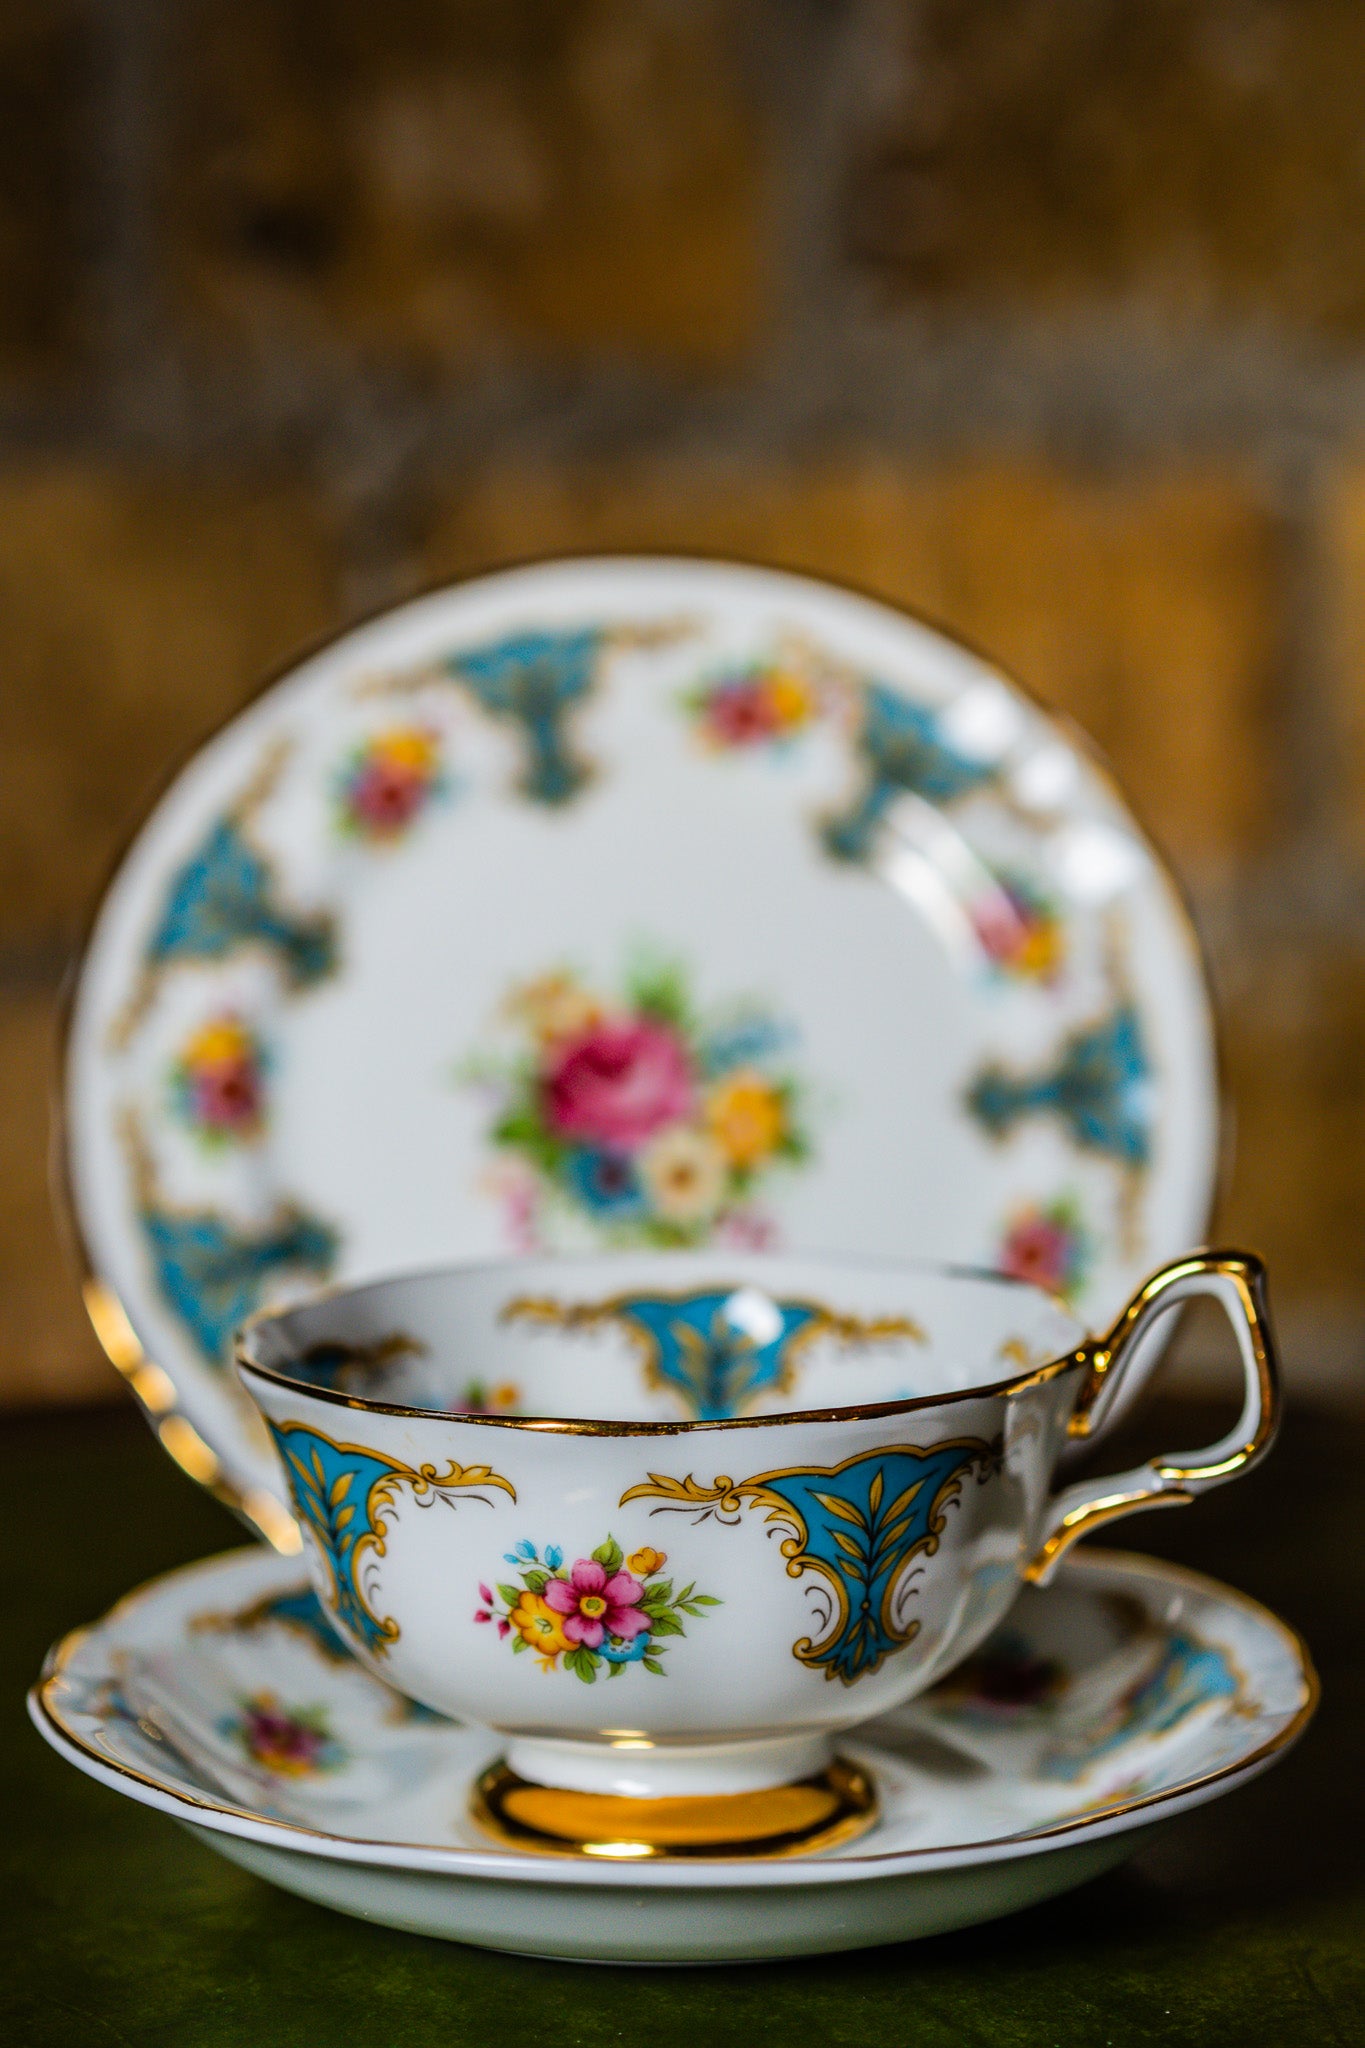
(673, 1523)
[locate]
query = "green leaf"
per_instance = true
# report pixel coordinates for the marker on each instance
(653, 1664)
(706, 1600)
(659, 989)
(536, 1580)
(522, 1130)
(582, 1662)
(665, 1625)
(615, 1670)
(519, 1644)
(511, 1594)
(660, 1595)
(609, 1555)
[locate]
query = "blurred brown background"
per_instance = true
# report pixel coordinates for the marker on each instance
(1044, 316)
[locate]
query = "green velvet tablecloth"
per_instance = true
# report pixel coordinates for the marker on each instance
(1243, 1922)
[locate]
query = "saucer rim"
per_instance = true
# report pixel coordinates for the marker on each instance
(513, 1867)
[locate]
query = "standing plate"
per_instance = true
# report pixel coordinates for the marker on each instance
(623, 902)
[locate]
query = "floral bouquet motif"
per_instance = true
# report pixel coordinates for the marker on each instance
(218, 1082)
(605, 1609)
(762, 704)
(636, 1115)
(1020, 930)
(387, 781)
(1048, 1246)
(295, 1742)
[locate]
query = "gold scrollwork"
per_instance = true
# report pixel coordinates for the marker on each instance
(341, 1493)
(687, 1345)
(857, 1524)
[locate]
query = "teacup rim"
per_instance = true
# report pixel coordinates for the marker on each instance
(1080, 1356)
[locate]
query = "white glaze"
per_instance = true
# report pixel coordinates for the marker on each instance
(820, 1557)
(976, 1819)
(890, 975)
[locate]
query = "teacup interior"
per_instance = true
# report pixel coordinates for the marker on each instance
(668, 1337)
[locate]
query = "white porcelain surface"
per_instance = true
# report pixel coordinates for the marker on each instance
(870, 955)
(748, 1502)
(1123, 1694)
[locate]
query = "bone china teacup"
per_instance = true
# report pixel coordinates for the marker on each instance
(671, 1523)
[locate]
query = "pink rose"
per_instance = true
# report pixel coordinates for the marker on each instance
(618, 1083)
(741, 714)
(594, 1605)
(386, 795)
(1037, 1250)
(227, 1094)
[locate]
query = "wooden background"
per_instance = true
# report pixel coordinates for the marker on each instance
(1045, 316)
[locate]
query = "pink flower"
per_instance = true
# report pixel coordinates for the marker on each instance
(228, 1097)
(618, 1083)
(595, 1605)
(1040, 1250)
(391, 780)
(279, 1738)
(741, 713)
(386, 796)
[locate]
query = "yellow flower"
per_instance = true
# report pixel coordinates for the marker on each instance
(536, 1622)
(644, 1562)
(216, 1044)
(790, 698)
(1040, 955)
(746, 1117)
(684, 1174)
(408, 748)
(555, 1006)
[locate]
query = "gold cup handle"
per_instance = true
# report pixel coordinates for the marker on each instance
(1237, 1281)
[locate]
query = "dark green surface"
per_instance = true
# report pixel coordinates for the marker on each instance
(1242, 1923)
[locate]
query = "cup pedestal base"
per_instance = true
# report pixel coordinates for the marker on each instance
(807, 1814)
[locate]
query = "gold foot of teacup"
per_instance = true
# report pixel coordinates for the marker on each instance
(797, 1819)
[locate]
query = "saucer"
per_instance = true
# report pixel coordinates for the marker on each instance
(1125, 1693)
(623, 903)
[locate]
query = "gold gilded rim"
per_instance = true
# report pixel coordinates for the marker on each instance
(1082, 1358)
(797, 1819)
(261, 1510)
(1088, 1559)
